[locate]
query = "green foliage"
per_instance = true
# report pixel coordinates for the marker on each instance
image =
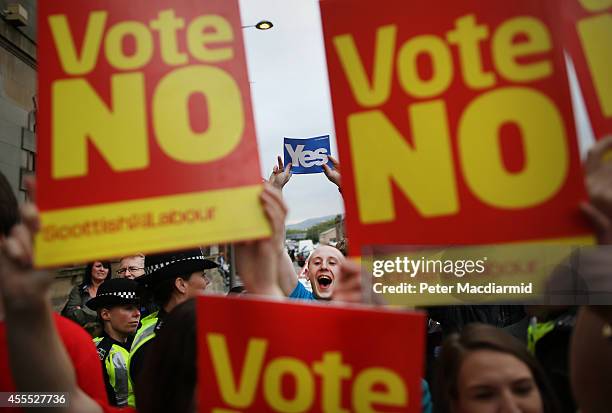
(313, 232)
(295, 234)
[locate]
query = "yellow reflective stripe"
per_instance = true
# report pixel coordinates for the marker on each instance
(116, 366)
(120, 382)
(145, 333)
(110, 369)
(536, 332)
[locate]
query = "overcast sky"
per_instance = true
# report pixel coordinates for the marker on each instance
(290, 94)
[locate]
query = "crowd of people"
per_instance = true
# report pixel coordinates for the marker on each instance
(119, 352)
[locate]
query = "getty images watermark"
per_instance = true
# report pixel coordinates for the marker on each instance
(418, 273)
(443, 275)
(531, 273)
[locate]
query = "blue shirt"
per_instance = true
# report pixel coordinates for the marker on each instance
(426, 404)
(301, 293)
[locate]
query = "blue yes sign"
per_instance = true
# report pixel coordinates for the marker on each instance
(307, 156)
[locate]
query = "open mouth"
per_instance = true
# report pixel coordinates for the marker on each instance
(324, 281)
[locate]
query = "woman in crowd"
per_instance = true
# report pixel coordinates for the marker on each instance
(95, 274)
(484, 369)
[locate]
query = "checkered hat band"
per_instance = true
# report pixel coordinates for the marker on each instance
(161, 265)
(129, 295)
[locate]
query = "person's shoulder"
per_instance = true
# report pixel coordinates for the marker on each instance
(145, 333)
(82, 351)
(64, 324)
(69, 331)
(119, 348)
(147, 322)
(150, 317)
(78, 291)
(300, 292)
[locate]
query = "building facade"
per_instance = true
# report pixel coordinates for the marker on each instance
(328, 237)
(18, 67)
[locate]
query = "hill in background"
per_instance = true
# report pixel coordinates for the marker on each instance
(304, 225)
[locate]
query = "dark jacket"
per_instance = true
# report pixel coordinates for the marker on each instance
(455, 317)
(76, 310)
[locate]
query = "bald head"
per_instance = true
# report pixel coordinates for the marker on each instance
(323, 268)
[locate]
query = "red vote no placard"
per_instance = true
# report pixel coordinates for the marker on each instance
(145, 131)
(586, 27)
(454, 123)
(265, 356)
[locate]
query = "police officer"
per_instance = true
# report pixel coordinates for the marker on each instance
(116, 303)
(173, 279)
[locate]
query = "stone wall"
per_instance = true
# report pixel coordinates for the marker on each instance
(17, 91)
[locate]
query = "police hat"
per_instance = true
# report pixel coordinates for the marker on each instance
(116, 291)
(159, 267)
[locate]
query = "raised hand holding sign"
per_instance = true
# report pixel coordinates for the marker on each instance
(307, 156)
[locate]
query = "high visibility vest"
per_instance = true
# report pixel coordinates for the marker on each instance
(537, 331)
(145, 333)
(116, 366)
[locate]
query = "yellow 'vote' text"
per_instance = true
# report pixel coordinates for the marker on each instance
(373, 385)
(381, 155)
(118, 129)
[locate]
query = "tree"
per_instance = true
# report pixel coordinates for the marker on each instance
(314, 231)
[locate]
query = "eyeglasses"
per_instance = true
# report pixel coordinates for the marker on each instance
(207, 279)
(132, 270)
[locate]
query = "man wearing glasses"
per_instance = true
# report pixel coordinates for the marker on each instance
(132, 266)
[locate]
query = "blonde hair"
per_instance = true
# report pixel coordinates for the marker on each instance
(137, 255)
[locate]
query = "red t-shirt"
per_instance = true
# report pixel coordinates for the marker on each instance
(85, 361)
